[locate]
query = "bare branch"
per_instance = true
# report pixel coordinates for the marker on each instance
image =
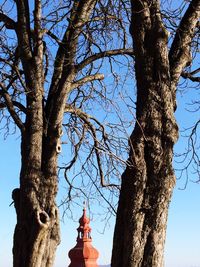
(23, 30)
(179, 54)
(103, 54)
(38, 32)
(54, 37)
(16, 104)
(85, 118)
(190, 75)
(87, 79)
(17, 71)
(8, 22)
(11, 108)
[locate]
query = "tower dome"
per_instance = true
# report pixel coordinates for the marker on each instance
(83, 254)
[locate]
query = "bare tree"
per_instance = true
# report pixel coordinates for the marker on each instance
(148, 182)
(49, 51)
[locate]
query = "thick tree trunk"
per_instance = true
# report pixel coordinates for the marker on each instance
(148, 181)
(37, 231)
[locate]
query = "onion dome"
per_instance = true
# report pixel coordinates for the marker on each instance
(83, 254)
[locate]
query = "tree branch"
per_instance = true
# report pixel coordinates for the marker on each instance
(86, 119)
(11, 108)
(179, 55)
(53, 36)
(189, 75)
(64, 72)
(23, 30)
(109, 53)
(16, 104)
(67, 46)
(18, 72)
(38, 51)
(87, 79)
(8, 22)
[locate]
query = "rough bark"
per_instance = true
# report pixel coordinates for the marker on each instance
(148, 183)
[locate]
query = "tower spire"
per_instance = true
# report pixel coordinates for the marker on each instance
(83, 254)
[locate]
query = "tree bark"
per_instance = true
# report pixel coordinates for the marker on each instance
(148, 180)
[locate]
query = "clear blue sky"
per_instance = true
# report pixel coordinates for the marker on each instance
(183, 233)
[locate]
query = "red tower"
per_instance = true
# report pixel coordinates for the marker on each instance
(83, 254)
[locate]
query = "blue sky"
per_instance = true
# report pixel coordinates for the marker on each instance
(183, 234)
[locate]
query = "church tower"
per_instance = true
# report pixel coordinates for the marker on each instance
(83, 254)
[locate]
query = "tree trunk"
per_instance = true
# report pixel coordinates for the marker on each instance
(148, 180)
(37, 231)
